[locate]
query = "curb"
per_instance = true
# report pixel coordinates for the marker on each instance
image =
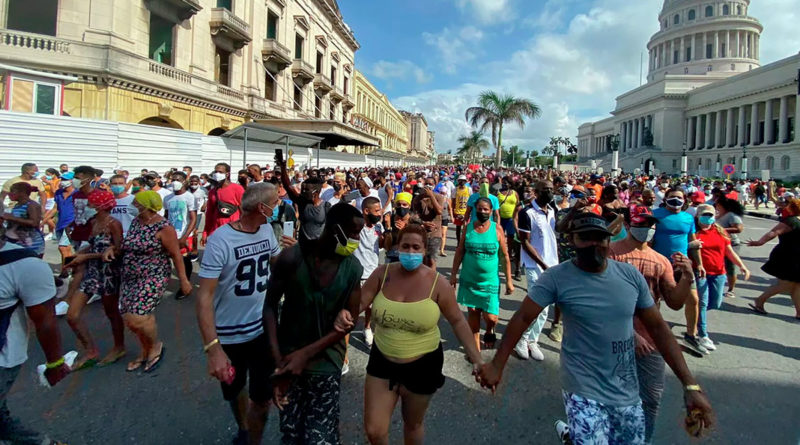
(761, 215)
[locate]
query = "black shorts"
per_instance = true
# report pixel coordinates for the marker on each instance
(254, 359)
(422, 376)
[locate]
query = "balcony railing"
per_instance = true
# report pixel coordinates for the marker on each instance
(302, 70)
(225, 23)
(170, 72)
(322, 83)
(230, 92)
(274, 51)
(25, 40)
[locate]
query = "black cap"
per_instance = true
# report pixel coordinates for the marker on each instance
(589, 223)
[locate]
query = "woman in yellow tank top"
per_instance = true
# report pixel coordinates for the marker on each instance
(406, 358)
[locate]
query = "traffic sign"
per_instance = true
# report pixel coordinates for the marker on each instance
(729, 169)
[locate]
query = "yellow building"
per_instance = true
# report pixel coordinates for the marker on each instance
(375, 115)
(200, 65)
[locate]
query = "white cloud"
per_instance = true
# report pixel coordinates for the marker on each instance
(780, 38)
(456, 47)
(400, 70)
(488, 11)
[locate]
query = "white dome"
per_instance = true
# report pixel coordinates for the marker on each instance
(698, 37)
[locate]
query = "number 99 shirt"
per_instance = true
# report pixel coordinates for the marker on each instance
(240, 262)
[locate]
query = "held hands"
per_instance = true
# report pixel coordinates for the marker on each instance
(292, 364)
(488, 375)
(344, 322)
(79, 259)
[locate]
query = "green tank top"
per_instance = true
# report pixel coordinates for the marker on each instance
(480, 268)
(309, 313)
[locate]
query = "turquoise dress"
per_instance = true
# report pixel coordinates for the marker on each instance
(479, 282)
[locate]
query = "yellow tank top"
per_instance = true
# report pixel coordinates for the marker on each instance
(406, 330)
(507, 204)
(462, 197)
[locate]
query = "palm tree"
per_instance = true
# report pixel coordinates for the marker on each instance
(514, 155)
(495, 110)
(472, 146)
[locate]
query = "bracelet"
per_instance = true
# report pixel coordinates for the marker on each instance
(210, 344)
(693, 388)
(55, 364)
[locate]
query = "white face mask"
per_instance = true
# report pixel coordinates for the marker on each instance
(77, 183)
(219, 177)
(177, 186)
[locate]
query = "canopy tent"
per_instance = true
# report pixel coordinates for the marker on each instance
(332, 133)
(258, 132)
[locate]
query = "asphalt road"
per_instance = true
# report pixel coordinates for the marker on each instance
(751, 380)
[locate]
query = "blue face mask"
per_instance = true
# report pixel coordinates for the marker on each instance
(117, 189)
(410, 261)
(706, 220)
(620, 236)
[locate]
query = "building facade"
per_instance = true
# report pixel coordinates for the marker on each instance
(420, 140)
(200, 65)
(707, 96)
(374, 114)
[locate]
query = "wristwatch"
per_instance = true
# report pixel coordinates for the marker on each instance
(693, 388)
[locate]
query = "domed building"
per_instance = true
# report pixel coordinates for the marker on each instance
(707, 101)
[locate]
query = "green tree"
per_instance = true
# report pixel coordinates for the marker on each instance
(515, 155)
(495, 110)
(472, 146)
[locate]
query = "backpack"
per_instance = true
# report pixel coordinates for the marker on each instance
(8, 257)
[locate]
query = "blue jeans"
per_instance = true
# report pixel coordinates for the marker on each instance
(531, 335)
(710, 290)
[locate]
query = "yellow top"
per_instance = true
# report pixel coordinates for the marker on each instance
(508, 203)
(406, 330)
(462, 196)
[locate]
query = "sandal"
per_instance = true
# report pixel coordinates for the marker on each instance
(730, 294)
(134, 365)
(87, 364)
(489, 340)
(758, 310)
(113, 359)
(153, 363)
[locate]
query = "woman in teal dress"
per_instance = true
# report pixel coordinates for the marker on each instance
(480, 249)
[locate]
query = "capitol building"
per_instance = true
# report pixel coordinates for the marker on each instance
(707, 101)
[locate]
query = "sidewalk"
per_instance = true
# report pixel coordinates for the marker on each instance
(762, 212)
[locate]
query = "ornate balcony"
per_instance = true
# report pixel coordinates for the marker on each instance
(175, 11)
(230, 29)
(336, 94)
(302, 71)
(274, 51)
(322, 83)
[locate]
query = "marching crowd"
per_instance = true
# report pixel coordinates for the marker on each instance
(291, 259)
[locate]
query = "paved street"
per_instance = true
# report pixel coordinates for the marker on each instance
(751, 380)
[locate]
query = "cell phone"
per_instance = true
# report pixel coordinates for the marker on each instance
(69, 259)
(288, 228)
(278, 155)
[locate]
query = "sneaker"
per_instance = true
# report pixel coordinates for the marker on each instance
(535, 352)
(693, 343)
(61, 289)
(193, 258)
(179, 295)
(61, 308)
(562, 429)
(556, 332)
(707, 343)
(368, 336)
(48, 237)
(345, 369)
(94, 298)
(521, 349)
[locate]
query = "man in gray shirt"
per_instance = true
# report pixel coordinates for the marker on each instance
(598, 299)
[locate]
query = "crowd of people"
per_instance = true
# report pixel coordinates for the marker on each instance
(290, 260)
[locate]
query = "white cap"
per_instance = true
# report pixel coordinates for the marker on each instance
(462, 178)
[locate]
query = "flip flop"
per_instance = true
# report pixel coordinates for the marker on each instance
(139, 364)
(757, 309)
(87, 364)
(153, 363)
(114, 359)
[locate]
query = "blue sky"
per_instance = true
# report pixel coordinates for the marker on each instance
(571, 57)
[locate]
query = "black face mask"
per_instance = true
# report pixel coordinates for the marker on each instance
(373, 219)
(402, 211)
(337, 187)
(482, 217)
(243, 180)
(544, 196)
(592, 257)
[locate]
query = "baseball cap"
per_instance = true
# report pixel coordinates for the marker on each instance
(67, 176)
(698, 197)
(642, 215)
(462, 178)
(589, 222)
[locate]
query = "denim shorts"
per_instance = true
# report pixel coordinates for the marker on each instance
(591, 422)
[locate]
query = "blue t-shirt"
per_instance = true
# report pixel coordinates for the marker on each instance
(66, 209)
(598, 357)
(474, 198)
(672, 232)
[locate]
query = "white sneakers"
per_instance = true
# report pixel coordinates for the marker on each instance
(562, 429)
(61, 308)
(707, 343)
(345, 368)
(368, 336)
(525, 350)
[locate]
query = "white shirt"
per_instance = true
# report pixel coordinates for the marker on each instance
(541, 228)
(178, 209)
(163, 192)
(124, 212)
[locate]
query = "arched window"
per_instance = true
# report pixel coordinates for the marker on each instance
(770, 163)
(726, 10)
(785, 163)
(756, 163)
(676, 19)
(709, 11)
(691, 14)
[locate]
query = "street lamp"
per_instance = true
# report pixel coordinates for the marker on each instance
(613, 141)
(744, 161)
(719, 166)
(684, 162)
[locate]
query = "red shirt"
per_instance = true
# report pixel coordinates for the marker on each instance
(713, 252)
(231, 194)
(733, 194)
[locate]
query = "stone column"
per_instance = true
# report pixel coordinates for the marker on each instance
(718, 130)
(728, 43)
(783, 120)
(694, 49)
(628, 135)
(708, 131)
(738, 46)
(689, 133)
(754, 124)
(729, 128)
(671, 52)
(716, 45)
(705, 43)
(741, 125)
(797, 119)
(698, 133)
(768, 133)
(682, 55)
